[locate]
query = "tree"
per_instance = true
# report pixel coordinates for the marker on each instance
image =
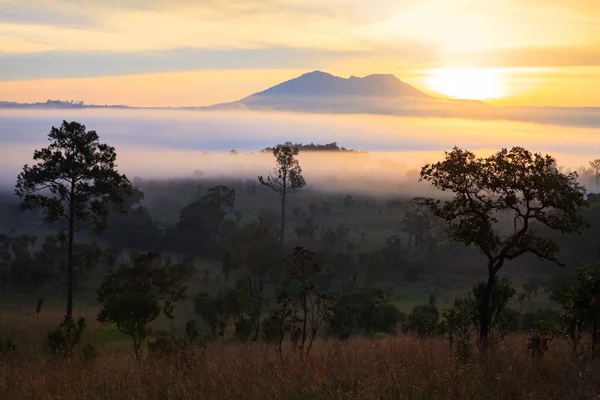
(285, 179)
(255, 252)
(303, 307)
(528, 185)
(131, 297)
(348, 202)
(75, 180)
(595, 164)
(201, 223)
(418, 223)
(581, 308)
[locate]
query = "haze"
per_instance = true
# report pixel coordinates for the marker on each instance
(173, 144)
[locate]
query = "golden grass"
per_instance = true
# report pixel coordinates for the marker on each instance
(389, 368)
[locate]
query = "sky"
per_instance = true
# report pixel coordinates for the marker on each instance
(185, 52)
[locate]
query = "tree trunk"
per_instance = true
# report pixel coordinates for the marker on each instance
(70, 264)
(282, 227)
(256, 328)
(595, 334)
(484, 322)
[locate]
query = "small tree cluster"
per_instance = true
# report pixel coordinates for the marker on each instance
(132, 297)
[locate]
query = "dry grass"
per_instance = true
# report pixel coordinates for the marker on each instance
(389, 368)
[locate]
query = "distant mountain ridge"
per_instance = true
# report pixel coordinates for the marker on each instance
(56, 104)
(376, 94)
(319, 91)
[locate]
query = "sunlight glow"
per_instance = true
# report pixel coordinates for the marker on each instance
(473, 84)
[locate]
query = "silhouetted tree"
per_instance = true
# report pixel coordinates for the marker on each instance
(201, 222)
(528, 185)
(131, 297)
(348, 202)
(595, 164)
(75, 179)
(285, 179)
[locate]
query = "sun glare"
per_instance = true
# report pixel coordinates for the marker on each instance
(474, 84)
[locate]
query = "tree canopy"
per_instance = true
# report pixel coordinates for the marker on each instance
(527, 185)
(75, 179)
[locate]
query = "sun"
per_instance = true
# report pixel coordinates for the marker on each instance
(472, 84)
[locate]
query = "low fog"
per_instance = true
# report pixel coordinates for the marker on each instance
(167, 144)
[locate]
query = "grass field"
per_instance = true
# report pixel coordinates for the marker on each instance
(398, 367)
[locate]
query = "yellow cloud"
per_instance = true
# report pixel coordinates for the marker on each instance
(193, 88)
(458, 25)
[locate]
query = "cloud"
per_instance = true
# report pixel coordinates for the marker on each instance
(64, 64)
(134, 25)
(42, 14)
(540, 56)
(584, 7)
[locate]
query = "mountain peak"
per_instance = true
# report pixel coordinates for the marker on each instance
(316, 73)
(323, 84)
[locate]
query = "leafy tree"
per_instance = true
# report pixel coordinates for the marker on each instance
(285, 179)
(502, 320)
(75, 180)
(363, 311)
(418, 223)
(595, 164)
(458, 324)
(581, 308)
(201, 223)
(308, 231)
(131, 297)
(269, 219)
(136, 229)
(528, 185)
(424, 318)
(214, 311)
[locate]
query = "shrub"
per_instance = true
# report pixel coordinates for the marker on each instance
(8, 348)
(68, 334)
(537, 342)
(243, 328)
(363, 311)
(423, 320)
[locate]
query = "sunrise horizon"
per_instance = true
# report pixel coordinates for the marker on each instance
(439, 85)
(163, 53)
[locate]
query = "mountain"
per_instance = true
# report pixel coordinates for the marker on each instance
(379, 94)
(322, 84)
(320, 92)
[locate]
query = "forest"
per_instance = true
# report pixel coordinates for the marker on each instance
(269, 288)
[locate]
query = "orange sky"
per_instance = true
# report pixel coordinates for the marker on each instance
(176, 52)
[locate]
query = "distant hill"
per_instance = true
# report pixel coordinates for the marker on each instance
(52, 104)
